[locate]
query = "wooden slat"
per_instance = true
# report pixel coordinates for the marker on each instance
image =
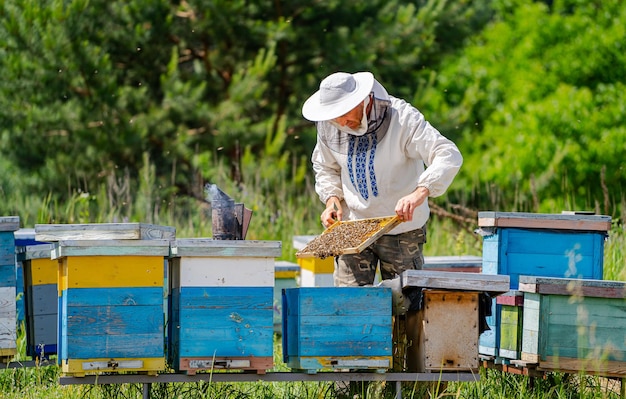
(219, 248)
(9, 223)
(588, 366)
(492, 283)
(568, 286)
(40, 251)
(225, 272)
(111, 248)
(545, 221)
(103, 231)
(511, 298)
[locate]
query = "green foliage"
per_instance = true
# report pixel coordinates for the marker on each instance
(86, 101)
(538, 99)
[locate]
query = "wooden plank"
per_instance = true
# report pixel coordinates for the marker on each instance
(76, 367)
(111, 248)
(7, 247)
(41, 271)
(120, 296)
(255, 363)
(510, 331)
(39, 251)
(44, 330)
(42, 299)
(111, 271)
(8, 276)
(453, 261)
(511, 298)
(545, 221)
(491, 283)
(573, 287)
(456, 313)
(226, 248)
(86, 346)
(465, 264)
(530, 328)
(598, 366)
(8, 333)
(224, 272)
(9, 223)
(103, 231)
(124, 320)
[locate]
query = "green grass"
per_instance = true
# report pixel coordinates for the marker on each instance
(279, 214)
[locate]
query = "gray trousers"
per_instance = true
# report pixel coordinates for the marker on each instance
(393, 253)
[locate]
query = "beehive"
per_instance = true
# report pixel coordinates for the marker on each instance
(8, 333)
(575, 325)
(445, 329)
(111, 316)
(41, 292)
(221, 311)
(337, 328)
(549, 245)
(511, 308)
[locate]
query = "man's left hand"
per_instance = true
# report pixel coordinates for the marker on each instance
(407, 204)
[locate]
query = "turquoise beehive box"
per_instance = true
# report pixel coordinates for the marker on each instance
(575, 325)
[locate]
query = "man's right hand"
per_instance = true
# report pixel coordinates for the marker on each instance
(332, 213)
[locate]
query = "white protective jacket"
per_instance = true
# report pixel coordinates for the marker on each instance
(371, 177)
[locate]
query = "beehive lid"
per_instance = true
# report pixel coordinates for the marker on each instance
(37, 251)
(494, 284)
(9, 223)
(573, 287)
(103, 231)
(562, 221)
(348, 237)
(225, 248)
(110, 248)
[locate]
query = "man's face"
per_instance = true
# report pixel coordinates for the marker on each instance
(352, 118)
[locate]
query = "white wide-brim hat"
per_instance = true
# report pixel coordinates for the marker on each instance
(338, 94)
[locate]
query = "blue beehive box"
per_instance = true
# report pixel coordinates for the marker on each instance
(337, 328)
(566, 245)
(221, 305)
(8, 334)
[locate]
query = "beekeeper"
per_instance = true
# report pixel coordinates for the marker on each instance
(375, 156)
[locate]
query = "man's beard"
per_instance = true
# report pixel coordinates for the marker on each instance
(362, 129)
